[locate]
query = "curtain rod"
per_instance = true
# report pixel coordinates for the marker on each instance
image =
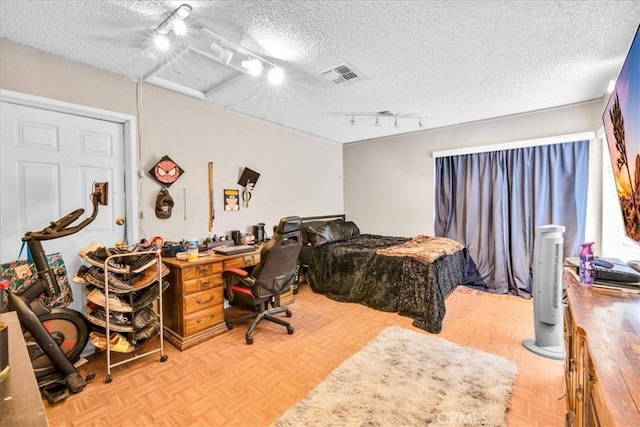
(557, 139)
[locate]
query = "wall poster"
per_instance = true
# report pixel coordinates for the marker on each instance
(231, 199)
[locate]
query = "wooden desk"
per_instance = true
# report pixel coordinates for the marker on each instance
(20, 400)
(193, 306)
(602, 369)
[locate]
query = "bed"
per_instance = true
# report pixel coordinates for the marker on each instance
(409, 276)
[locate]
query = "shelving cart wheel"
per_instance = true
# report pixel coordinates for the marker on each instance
(108, 379)
(164, 358)
(290, 330)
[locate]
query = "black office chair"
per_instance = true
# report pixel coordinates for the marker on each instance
(268, 280)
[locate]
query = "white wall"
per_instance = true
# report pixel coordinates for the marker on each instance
(300, 174)
(389, 182)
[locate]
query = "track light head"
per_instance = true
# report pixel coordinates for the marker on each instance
(180, 28)
(253, 66)
(183, 11)
(161, 42)
(175, 22)
(276, 76)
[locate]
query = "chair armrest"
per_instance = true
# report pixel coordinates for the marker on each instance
(235, 272)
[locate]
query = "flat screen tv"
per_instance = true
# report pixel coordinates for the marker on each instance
(621, 120)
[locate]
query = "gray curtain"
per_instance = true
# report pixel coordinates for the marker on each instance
(492, 202)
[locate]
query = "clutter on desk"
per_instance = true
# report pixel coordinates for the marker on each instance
(170, 249)
(193, 248)
(258, 232)
(248, 239)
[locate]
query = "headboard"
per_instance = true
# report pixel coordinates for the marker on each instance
(324, 217)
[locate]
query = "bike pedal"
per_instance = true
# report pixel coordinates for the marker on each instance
(55, 392)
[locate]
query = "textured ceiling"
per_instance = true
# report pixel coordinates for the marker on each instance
(448, 62)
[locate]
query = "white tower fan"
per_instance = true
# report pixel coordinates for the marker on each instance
(547, 293)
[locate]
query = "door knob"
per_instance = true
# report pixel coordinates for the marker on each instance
(120, 220)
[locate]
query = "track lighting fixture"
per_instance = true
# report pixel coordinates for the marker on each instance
(253, 66)
(378, 122)
(175, 22)
(276, 76)
(240, 58)
(161, 42)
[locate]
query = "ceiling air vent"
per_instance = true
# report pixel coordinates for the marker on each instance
(341, 74)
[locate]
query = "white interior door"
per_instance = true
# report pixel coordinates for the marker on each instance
(50, 161)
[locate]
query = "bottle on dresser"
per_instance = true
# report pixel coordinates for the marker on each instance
(586, 263)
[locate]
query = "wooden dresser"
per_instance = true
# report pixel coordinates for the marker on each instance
(20, 399)
(193, 305)
(602, 369)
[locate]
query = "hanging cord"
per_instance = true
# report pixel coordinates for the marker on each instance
(139, 132)
(184, 192)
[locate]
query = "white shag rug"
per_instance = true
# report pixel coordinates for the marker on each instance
(408, 378)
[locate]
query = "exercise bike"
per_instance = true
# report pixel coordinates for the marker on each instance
(54, 337)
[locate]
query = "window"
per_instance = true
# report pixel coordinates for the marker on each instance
(615, 244)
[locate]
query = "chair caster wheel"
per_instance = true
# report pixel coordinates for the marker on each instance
(229, 326)
(288, 313)
(108, 379)
(290, 330)
(164, 358)
(249, 340)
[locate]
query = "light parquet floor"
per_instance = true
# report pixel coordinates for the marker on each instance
(225, 382)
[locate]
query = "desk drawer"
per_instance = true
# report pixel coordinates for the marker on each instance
(202, 300)
(205, 319)
(243, 261)
(189, 273)
(202, 283)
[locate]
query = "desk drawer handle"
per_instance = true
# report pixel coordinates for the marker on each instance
(199, 320)
(199, 301)
(203, 270)
(205, 284)
(592, 377)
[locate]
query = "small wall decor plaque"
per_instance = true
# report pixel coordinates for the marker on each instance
(166, 171)
(231, 200)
